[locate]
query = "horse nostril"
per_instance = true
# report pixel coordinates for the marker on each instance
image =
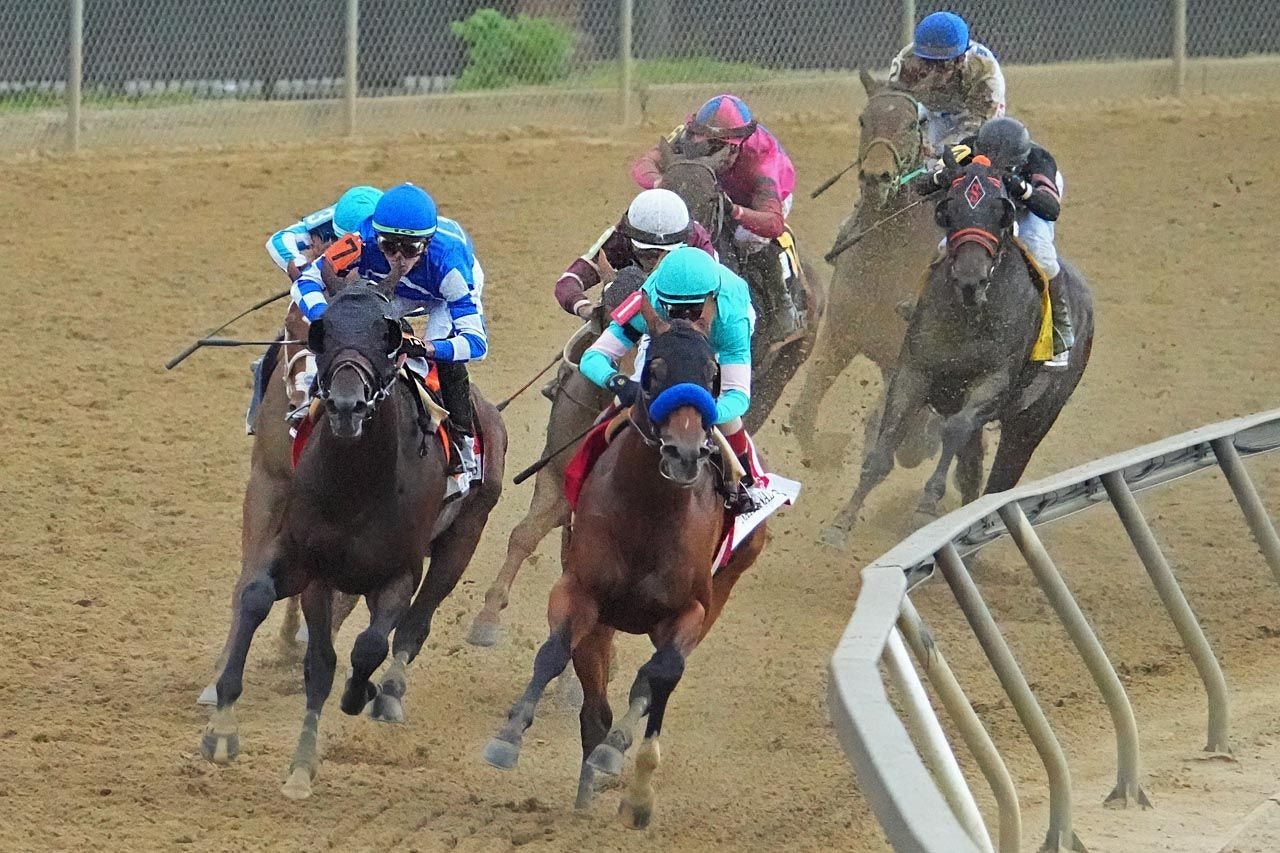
(704, 452)
(885, 176)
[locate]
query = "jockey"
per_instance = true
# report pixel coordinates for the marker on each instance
(757, 176)
(956, 80)
(1034, 184)
(425, 260)
(294, 247)
(302, 242)
(679, 287)
(656, 222)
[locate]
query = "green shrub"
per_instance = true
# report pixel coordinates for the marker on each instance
(505, 51)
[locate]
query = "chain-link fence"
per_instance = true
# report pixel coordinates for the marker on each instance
(179, 71)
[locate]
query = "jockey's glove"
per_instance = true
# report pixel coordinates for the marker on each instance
(626, 389)
(1016, 186)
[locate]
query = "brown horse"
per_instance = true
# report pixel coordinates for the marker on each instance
(649, 521)
(877, 274)
(270, 470)
(363, 509)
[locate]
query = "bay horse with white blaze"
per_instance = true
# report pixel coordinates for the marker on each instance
(645, 536)
(968, 351)
(363, 509)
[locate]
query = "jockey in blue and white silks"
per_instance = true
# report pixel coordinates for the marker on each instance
(678, 287)
(432, 261)
(295, 246)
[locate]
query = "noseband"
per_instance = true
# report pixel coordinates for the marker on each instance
(373, 392)
(901, 164)
(990, 243)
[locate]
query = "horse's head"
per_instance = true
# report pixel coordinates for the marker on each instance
(890, 141)
(678, 390)
(355, 344)
(696, 181)
(977, 215)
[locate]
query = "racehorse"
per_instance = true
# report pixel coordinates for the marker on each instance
(968, 349)
(363, 509)
(650, 518)
(695, 180)
(270, 470)
(880, 272)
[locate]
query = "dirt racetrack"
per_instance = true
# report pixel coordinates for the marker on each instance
(121, 489)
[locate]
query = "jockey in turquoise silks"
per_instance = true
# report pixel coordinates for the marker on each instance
(677, 288)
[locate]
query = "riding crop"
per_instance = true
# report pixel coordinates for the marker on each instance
(208, 339)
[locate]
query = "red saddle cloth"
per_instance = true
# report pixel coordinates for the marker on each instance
(584, 460)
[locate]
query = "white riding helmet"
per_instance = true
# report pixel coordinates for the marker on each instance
(657, 219)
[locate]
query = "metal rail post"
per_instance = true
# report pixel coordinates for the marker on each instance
(1128, 765)
(1175, 603)
(75, 74)
(933, 741)
(351, 68)
(1024, 701)
(1179, 47)
(966, 720)
(625, 59)
(1255, 513)
(908, 21)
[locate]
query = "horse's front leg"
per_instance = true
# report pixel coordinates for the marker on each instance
(387, 607)
(256, 594)
(654, 685)
(958, 432)
(317, 667)
(572, 614)
(904, 398)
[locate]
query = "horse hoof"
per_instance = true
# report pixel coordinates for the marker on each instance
(354, 700)
(586, 788)
(298, 785)
(485, 632)
(606, 759)
(834, 537)
(635, 816)
(219, 748)
(209, 696)
(501, 754)
(386, 708)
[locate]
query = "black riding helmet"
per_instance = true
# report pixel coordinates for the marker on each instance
(1005, 142)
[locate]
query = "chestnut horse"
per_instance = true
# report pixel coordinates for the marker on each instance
(645, 536)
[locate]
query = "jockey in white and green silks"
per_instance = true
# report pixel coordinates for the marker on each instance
(677, 288)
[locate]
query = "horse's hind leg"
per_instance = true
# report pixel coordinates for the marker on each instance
(591, 662)
(387, 606)
(662, 673)
(831, 356)
(221, 741)
(318, 667)
(572, 614)
(547, 511)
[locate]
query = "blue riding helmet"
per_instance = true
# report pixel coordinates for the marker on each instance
(942, 35)
(355, 206)
(406, 210)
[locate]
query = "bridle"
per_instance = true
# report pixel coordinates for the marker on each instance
(991, 242)
(902, 163)
(374, 393)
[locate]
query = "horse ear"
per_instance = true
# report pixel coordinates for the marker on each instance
(395, 338)
(656, 324)
(942, 214)
(315, 336)
(1009, 213)
(869, 84)
(708, 316)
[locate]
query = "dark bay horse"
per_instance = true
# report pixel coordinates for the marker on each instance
(968, 351)
(695, 180)
(640, 561)
(363, 509)
(877, 274)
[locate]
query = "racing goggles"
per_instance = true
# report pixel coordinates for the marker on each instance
(398, 244)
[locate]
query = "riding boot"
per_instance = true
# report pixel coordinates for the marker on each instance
(1064, 336)
(455, 391)
(261, 370)
(779, 309)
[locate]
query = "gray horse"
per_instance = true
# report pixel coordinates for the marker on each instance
(967, 353)
(878, 273)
